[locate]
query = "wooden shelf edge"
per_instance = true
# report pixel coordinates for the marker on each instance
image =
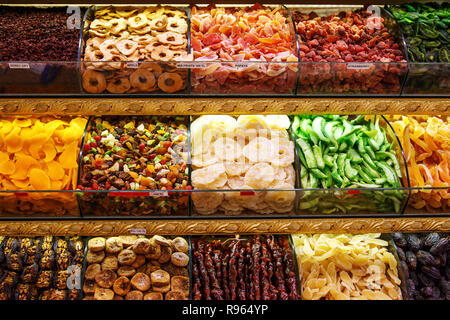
(232, 226)
(221, 105)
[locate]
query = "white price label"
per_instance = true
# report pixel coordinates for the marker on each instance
(358, 65)
(133, 65)
(159, 193)
(192, 64)
(19, 65)
(242, 65)
(138, 231)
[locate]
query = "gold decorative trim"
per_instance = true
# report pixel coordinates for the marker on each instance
(212, 105)
(232, 226)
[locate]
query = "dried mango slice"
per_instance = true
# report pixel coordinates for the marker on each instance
(50, 152)
(55, 171)
(22, 123)
(3, 156)
(7, 167)
(68, 157)
(21, 184)
(13, 141)
(39, 179)
(23, 164)
(6, 127)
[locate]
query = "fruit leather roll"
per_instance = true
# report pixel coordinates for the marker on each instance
(250, 267)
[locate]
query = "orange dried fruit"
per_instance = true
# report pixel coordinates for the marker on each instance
(39, 179)
(21, 184)
(13, 141)
(7, 167)
(6, 127)
(23, 163)
(3, 156)
(68, 157)
(50, 151)
(55, 171)
(22, 123)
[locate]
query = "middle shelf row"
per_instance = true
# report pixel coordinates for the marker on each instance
(218, 165)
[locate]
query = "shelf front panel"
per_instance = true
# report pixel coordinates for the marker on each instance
(221, 226)
(221, 105)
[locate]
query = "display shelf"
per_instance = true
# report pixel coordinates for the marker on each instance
(101, 227)
(90, 105)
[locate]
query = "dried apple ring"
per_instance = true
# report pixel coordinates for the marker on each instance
(126, 47)
(93, 81)
(108, 47)
(159, 24)
(138, 21)
(98, 24)
(177, 25)
(162, 54)
(120, 85)
(126, 13)
(170, 82)
(142, 79)
(118, 25)
(171, 38)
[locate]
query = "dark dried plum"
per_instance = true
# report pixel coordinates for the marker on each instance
(427, 291)
(439, 247)
(413, 241)
(411, 260)
(425, 280)
(432, 272)
(401, 254)
(399, 240)
(426, 258)
(431, 239)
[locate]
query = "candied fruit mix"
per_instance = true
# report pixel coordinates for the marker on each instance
(242, 35)
(330, 44)
(245, 153)
(135, 153)
(117, 35)
(347, 267)
(426, 143)
(348, 152)
(38, 268)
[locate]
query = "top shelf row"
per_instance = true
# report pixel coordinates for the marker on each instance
(225, 50)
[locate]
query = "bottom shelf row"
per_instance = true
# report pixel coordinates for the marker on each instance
(247, 267)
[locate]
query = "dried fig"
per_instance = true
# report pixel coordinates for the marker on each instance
(89, 287)
(166, 254)
(110, 263)
(96, 244)
(175, 295)
(153, 296)
(126, 257)
(140, 260)
(126, 271)
(179, 259)
(180, 244)
(141, 246)
(161, 241)
(134, 295)
(103, 294)
(95, 257)
(105, 278)
(122, 286)
(140, 281)
(160, 278)
(114, 245)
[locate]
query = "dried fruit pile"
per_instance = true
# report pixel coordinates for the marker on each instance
(340, 152)
(135, 153)
(37, 34)
(426, 143)
(137, 268)
(328, 43)
(250, 152)
(40, 268)
(251, 268)
(347, 267)
(424, 259)
(246, 34)
(425, 26)
(39, 153)
(118, 35)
